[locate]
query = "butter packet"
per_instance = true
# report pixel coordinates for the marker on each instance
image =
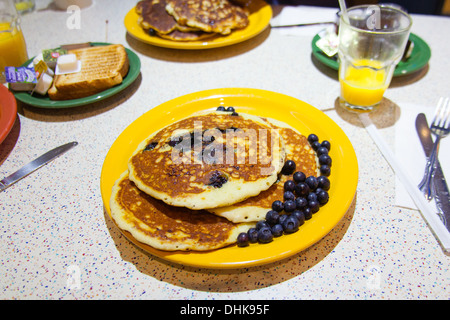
(328, 42)
(21, 78)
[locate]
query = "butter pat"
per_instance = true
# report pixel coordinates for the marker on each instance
(44, 83)
(67, 63)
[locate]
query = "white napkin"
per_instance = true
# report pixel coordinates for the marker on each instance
(303, 14)
(409, 151)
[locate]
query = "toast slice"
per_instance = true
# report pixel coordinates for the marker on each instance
(102, 67)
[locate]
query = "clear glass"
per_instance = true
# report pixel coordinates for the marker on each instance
(13, 50)
(24, 6)
(371, 44)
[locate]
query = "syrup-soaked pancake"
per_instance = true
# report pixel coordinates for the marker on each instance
(164, 227)
(255, 208)
(208, 160)
(219, 16)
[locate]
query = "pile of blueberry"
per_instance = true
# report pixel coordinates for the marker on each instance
(303, 196)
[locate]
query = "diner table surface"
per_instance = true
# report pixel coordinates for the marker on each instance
(53, 222)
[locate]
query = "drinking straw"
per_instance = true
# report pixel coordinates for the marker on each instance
(343, 10)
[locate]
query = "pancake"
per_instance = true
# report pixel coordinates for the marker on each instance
(178, 35)
(219, 16)
(255, 208)
(239, 156)
(153, 15)
(164, 227)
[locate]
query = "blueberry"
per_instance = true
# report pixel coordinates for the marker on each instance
(324, 183)
(322, 197)
(230, 109)
(288, 195)
(290, 225)
(234, 113)
(312, 196)
(261, 224)
(265, 235)
(221, 108)
(152, 32)
(307, 212)
(315, 145)
(272, 217)
(325, 159)
(299, 177)
(300, 216)
(289, 185)
(277, 230)
(175, 140)
(326, 144)
(278, 206)
(314, 205)
(289, 205)
(312, 183)
(252, 235)
(243, 239)
(312, 138)
(288, 168)
(321, 150)
(151, 146)
(325, 170)
(302, 189)
(301, 203)
(282, 218)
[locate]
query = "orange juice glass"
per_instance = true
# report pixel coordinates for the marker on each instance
(372, 39)
(13, 51)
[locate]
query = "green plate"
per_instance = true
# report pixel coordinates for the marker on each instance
(45, 102)
(419, 57)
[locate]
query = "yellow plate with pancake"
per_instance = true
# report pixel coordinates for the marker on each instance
(260, 15)
(302, 116)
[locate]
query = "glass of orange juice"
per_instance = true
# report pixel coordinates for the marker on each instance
(13, 50)
(372, 40)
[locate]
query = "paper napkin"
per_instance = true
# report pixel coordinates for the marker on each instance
(409, 151)
(303, 14)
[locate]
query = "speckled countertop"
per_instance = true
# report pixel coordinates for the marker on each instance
(58, 243)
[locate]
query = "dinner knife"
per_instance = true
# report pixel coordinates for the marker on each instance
(302, 24)
(35, 164)
(441, 193)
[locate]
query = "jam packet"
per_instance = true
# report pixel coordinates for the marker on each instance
(50, 56)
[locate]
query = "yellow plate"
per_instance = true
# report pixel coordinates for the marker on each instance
(304, 117)
(260, 15)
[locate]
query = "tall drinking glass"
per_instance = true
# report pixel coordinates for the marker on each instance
(371, 44)
(13, 50)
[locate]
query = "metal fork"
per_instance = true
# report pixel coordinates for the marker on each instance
(441, 128)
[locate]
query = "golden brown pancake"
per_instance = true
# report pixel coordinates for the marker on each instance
(255, 208)
(153, 15)
(219, 16)
(208, 160)
(164, 227)
(178, 35)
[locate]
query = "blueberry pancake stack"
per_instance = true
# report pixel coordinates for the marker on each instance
(218, 178)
